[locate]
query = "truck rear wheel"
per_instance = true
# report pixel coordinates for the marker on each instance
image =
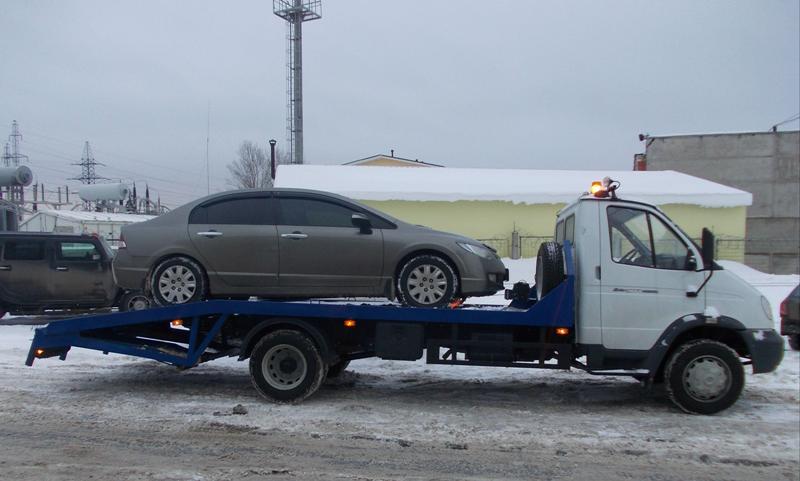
(286, 366)
(704, 377)
(549, 268)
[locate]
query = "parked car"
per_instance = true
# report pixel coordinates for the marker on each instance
(790, 318)
(292, 243)
(44, 271)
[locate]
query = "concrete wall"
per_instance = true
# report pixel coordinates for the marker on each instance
(767, 164)
(497, 219)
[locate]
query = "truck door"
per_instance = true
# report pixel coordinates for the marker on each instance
(646, 272)
(24, 272)
(80, 273)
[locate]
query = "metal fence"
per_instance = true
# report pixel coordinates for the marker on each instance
(500, 244)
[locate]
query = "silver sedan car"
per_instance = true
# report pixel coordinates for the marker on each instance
(299, 244)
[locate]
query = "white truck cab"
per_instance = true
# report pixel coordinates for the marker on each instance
(651, 304)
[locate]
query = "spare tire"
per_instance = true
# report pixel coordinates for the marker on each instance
(549, 268)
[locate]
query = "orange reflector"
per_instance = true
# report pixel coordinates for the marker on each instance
(176, 322)
(562, 331)
(350, 323)
(596, 187)
(40, 352)
(456, 303)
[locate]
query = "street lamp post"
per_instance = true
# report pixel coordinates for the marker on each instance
(272, 143)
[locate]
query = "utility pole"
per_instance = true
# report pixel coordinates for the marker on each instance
(272, 143)
(295, 12)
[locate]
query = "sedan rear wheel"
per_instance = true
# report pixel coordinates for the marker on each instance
(427, 281)
(177, 281)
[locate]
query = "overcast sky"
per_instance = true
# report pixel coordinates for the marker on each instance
(523, 84)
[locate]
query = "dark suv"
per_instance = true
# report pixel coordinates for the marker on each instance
(43, 271)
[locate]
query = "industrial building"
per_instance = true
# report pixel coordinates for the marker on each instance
(105, 224)
(514, 210)
(767, 164)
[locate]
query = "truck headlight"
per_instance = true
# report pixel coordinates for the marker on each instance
(767, 308)
(479, 251)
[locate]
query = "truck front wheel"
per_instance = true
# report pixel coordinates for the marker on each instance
(704, 377)
(286, 366)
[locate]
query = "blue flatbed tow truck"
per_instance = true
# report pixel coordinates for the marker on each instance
(621, 291)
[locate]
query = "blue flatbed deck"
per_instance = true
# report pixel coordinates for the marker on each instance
(190, 345)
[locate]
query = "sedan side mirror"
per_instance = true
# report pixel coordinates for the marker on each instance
(362, 222)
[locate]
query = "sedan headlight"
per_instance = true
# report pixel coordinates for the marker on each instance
(479, 251)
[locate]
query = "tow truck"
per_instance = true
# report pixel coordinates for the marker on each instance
(622, 290)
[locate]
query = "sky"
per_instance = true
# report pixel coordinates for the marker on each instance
(503, 84)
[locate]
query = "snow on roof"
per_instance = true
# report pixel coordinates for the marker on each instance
(82, 216)
(514, 185)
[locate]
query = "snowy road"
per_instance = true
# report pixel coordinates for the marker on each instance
(123, 418)
(117, 417)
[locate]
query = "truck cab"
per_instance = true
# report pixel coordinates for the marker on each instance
(645, 290)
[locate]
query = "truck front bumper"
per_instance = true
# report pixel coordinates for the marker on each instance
(765, 347)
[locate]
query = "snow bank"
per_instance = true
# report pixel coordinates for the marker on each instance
(513, 185)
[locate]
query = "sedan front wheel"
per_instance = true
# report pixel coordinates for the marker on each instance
(427, 281)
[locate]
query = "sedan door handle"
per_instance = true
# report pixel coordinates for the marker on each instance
(210, 234)
(5, 268)
(62, 268)
(295, 236)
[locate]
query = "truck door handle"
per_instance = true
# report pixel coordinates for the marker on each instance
(295, 236)
(62, 268)
(210, 234)
(5, 268)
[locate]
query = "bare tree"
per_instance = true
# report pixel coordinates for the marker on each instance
(251, 169)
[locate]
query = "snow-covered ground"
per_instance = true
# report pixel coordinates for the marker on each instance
(487, 411)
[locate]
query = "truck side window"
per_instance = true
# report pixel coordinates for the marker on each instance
(569, 229)
(77, 251)
(560, 232)
(32, 250)
(630, 237)
(671, 252)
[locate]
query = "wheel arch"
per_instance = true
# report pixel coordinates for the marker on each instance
(726, 330)
(426, 251)
(304, 326)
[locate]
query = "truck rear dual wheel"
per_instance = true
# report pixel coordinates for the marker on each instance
(704, 377)
(286, 366)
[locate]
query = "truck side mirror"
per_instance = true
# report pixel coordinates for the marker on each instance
(707, 248)
(362, 222)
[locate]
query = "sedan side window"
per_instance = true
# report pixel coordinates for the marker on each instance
(312, 212)
(241, 211)
(24, 250)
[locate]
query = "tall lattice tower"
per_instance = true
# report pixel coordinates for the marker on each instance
(12, 158)
(88, 165)
(295, 12)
